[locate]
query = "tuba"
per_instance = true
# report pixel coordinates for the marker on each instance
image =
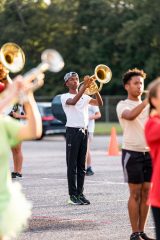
(12, 57)
(102, 74)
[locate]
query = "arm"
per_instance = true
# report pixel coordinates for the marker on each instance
(18, 116)
(132, 114)
(9, 95)
(87, 82)
(73, 101)
(33, 128)
(95, 116)
(98, 101)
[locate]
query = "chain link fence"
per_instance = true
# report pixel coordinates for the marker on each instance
(108, 110)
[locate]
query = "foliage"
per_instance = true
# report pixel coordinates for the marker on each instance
(121, 34)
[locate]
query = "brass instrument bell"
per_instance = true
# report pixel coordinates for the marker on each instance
(12, 57)
(102, 75)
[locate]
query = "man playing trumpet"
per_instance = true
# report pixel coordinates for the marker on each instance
(75, 105)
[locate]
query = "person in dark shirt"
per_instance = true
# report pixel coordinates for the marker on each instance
(19, 114)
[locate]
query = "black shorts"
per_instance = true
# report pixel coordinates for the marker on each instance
(137, 166)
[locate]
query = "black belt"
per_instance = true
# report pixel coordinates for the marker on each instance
(77, 129)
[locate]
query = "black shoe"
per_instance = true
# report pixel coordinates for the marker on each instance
(74, 200)
(19, 175)
(13, 174)
(145, 237)
(82, 198)
(16, 174)
(89, 171)
(135, 236)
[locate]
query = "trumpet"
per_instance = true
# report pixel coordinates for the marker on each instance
(50, 60)
(12, 57)
(102, 74)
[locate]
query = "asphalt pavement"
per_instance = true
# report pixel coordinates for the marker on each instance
(45, 185)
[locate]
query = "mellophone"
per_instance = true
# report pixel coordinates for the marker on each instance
(102, 74)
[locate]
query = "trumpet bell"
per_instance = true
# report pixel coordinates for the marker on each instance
(103, 73)
(12, 57)
(50, 60)
(53, 59)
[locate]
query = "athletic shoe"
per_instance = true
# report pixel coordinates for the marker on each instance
(135, 236)
(13, 174)
(145, 237)
(89, 171)
(19, 175)
(74, 200)
(83, 199)
(16, 174)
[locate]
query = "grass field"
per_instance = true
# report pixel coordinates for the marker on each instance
(104, 128)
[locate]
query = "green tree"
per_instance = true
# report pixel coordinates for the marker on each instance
(121, 34)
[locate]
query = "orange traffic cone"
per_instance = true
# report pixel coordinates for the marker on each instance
(113, 149)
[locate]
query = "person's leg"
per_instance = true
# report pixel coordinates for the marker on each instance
(81, 162)
(17, 158)
(72, 149)
(156, 217)
(132, 163)
(144, 208)
(88, 158)
(134, 205)
(81, 169)
(89, 170)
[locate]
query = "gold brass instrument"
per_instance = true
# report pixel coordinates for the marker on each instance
(102, 74)
(93, 88)
(12, 57)
(50, 60)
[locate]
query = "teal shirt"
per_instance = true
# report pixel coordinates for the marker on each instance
(9, 129)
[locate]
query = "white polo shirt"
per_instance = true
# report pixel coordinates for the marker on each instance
(133, 130)
(77, 115)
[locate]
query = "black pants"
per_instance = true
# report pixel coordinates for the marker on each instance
(76, 149)
(156, 216)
